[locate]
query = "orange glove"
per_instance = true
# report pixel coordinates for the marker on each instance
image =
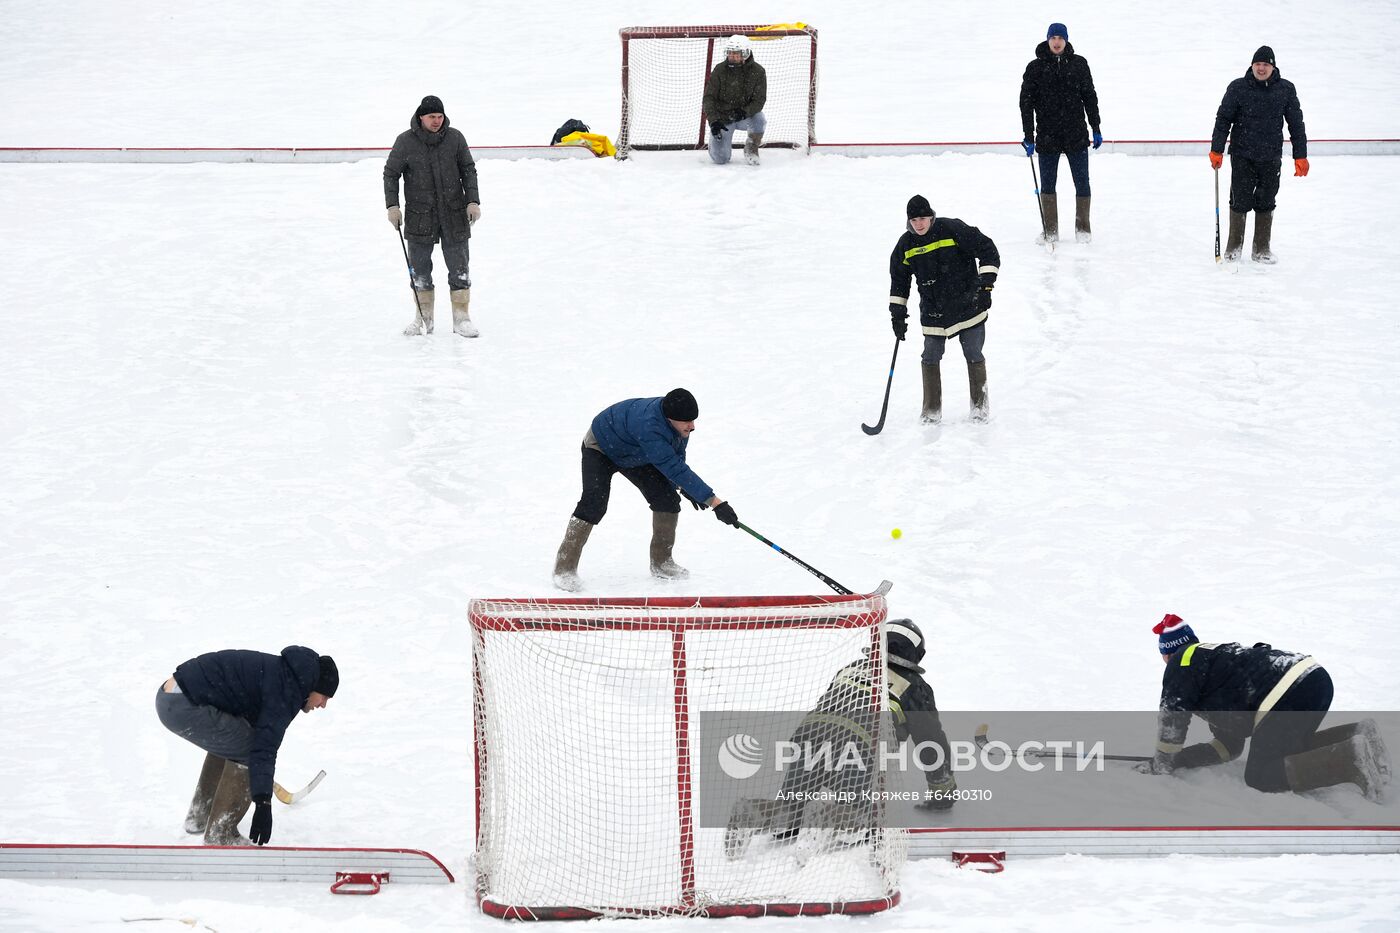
(1300, 168)
(1215, 159)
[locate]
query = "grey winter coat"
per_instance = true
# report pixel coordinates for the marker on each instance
(439, 181)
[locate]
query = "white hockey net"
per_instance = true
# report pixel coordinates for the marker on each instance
(664, 69)
(590, 776)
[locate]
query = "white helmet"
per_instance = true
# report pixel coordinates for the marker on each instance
(738, 44)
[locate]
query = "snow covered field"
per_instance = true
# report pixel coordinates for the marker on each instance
(213, 435)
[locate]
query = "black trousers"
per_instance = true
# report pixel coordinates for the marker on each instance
(1253, 184)
(1286, 729)
(598, 470)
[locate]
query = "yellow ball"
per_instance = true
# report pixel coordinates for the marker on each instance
(896, 533)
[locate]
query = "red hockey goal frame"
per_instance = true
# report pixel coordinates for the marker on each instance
(711, 33)
(677, 615)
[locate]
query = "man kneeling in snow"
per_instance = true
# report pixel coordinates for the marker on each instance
(1277, 697)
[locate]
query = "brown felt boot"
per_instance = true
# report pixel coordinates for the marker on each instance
(1051, 233)
(663, 539)
(1367, 729)
(1082, 233)
(197, 819)
(566, 561)
(231, 803)
(977, 388)
(751, 148)
(1235, 243)
(461, 321)
(933, 395)
(1346, 762)
(1263, 230)
(423, 321)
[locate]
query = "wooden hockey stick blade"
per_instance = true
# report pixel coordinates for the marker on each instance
(980, 737)
(290, 798)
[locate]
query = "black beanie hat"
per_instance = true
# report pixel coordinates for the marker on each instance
(1263, 54)
(329, 677)
(431, 104)
(680, 405)
(918, 207)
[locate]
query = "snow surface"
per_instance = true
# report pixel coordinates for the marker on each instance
(213, 435)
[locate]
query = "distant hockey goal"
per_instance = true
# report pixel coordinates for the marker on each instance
(589, 775)
(664, 69)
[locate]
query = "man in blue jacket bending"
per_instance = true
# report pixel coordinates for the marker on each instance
(237, 705)
(644, 439)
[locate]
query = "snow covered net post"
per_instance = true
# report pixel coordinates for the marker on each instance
(591, 767)
(664, 69)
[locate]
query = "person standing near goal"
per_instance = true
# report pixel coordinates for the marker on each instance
(1251, 116)
(955, 266)
(644, 439)
(1057, 92)
(734, 97)
(439, 180)
(237, 705)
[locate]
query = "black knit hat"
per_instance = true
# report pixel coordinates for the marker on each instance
(680, 405)
(918, 207)
(431, 104)
(1264, 54)
(329, 677)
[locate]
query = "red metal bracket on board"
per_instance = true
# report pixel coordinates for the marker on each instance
(359, 882)
(990, 862)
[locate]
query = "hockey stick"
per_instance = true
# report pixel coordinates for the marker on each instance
(1044, 232)
(288, 797)
(981, 739)
(1217, 215)
(417, 306)
(885, 405)
(797, 560)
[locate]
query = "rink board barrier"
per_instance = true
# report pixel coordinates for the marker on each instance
(1150, 841)
(37, 861)
(290, 155)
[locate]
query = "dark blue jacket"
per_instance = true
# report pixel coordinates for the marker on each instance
(1057, 92)
(1252, 114)
(635, 432)
(1225, 684)
(266, 689)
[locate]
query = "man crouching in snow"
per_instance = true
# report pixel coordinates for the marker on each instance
(1278, 698)
(236, 705)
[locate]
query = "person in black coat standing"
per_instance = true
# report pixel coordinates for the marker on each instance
(236, 705)
(439, 180)
(1057, 93)
(1252, 115)
(955, 267)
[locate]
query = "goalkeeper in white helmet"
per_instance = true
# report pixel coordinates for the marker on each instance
(844, 721)
(734, 97)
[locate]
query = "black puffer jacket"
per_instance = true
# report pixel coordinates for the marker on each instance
(268, 690)
(439, 180)
(742, 87)
(1252, 115)
(948, 263)
(1057, 92)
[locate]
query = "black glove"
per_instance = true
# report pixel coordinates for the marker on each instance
(899, 320)
(985, 282)
(694, 503)
(261, 830)
(1161, 763)
(725, 513)
(737, 115)
(716, 127)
